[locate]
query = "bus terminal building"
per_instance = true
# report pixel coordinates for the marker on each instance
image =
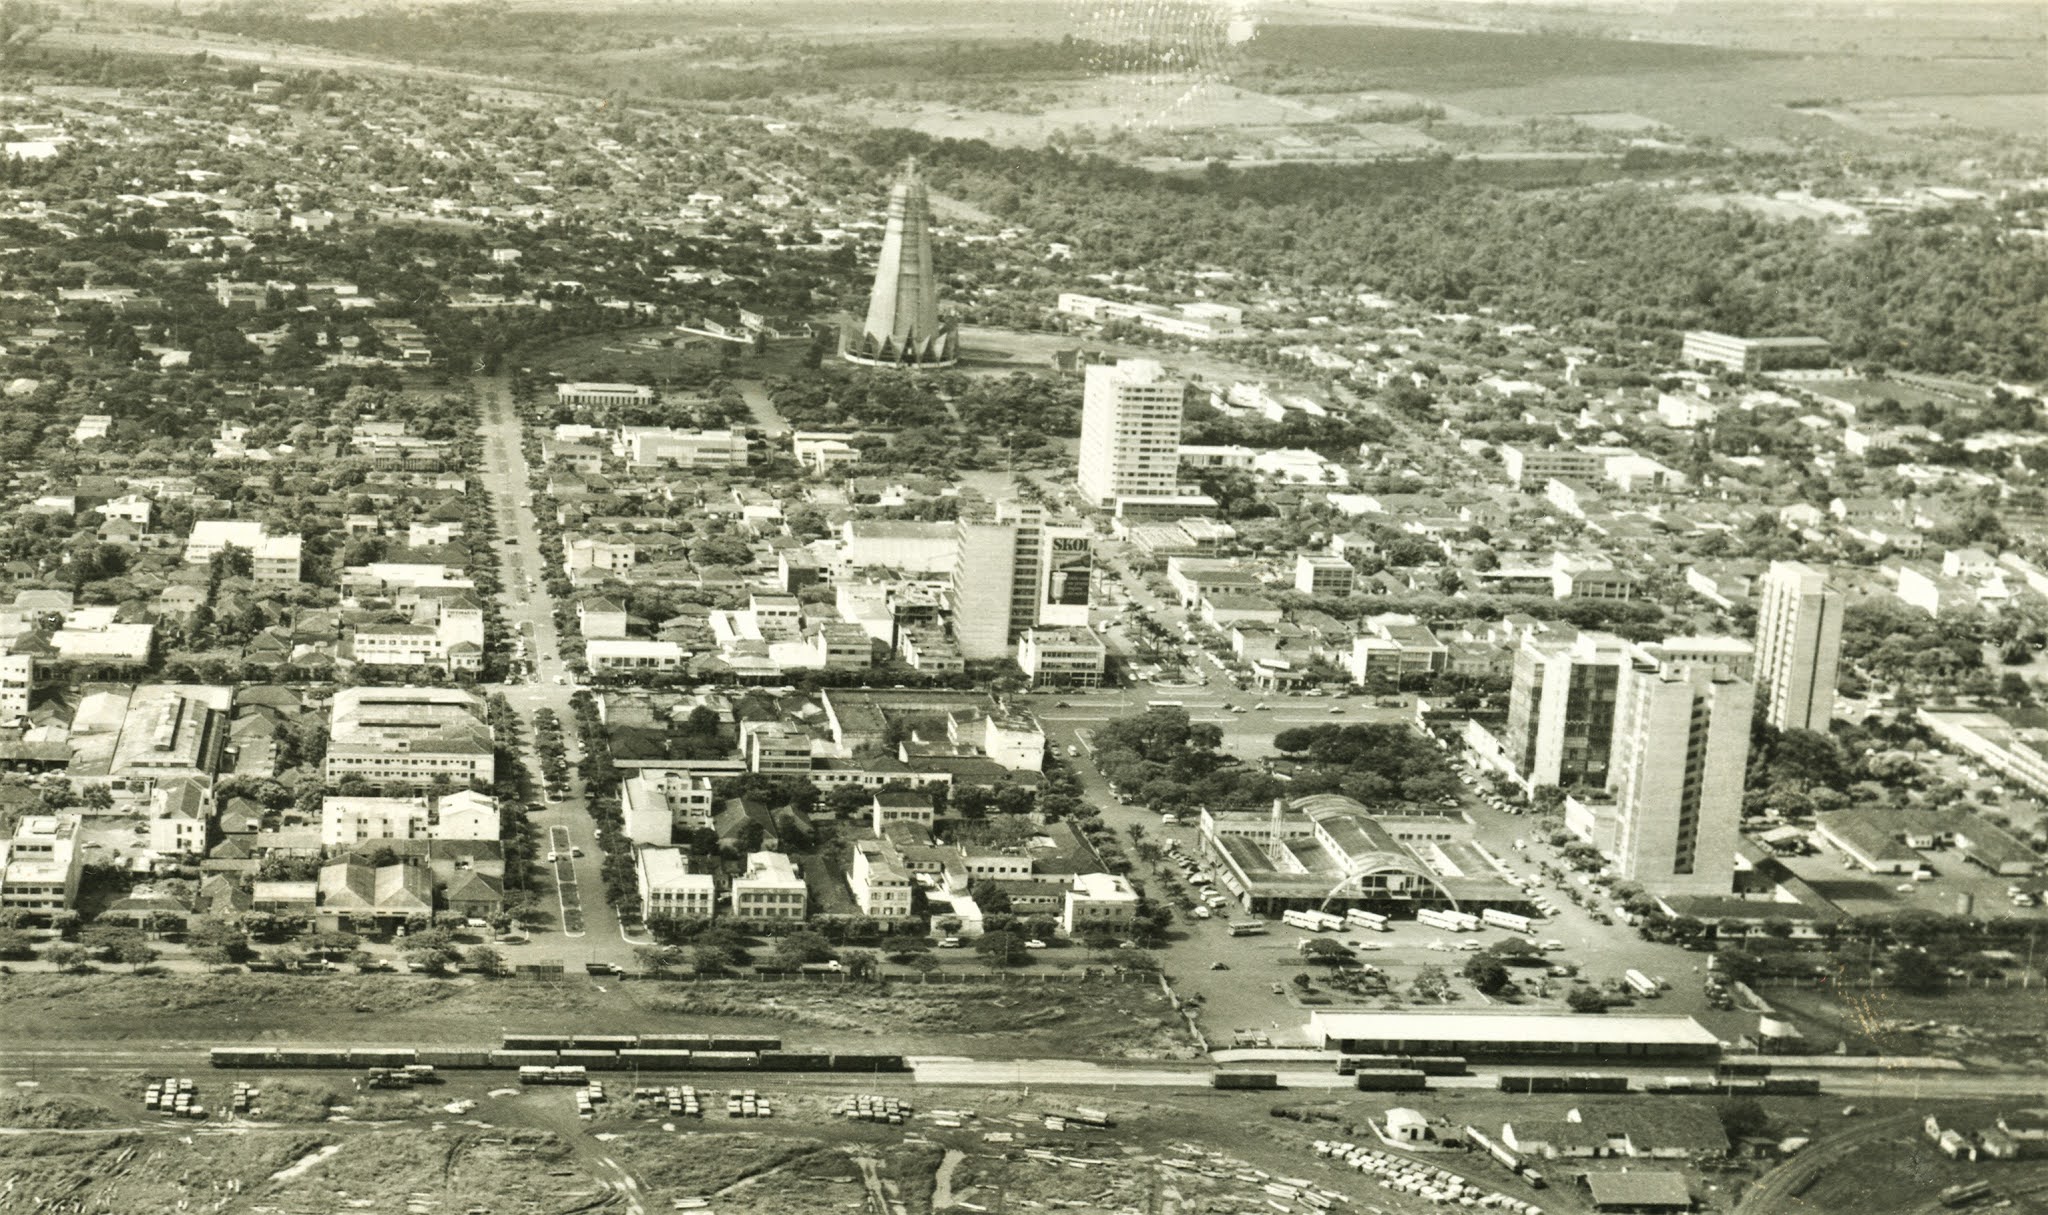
(1529, 1037)
(1327, 852)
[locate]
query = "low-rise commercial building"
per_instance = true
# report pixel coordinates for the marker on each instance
(1062, 657)
(667, 887)
(770, 889)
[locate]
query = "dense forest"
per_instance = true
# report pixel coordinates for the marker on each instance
(1939, 291)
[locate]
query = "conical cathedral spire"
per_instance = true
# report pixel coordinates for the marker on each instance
(903, 312)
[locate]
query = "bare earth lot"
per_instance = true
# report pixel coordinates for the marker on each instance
(1021, 1018)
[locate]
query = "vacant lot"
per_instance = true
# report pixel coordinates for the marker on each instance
(2004, 1026)
(1022, 1018)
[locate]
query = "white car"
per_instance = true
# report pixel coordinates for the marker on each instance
(1034, 943)
(551, 858)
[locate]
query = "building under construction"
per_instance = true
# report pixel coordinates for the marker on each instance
(1328, 852)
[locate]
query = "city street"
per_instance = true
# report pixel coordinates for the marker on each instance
(529, 613)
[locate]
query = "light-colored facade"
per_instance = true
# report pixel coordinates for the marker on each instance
(1130, 431)
(17, 681)
(649, 446)
(902, 326)
(409, 736)
(658, 803)
(603, 395)
(880, 883)
(454, 641)
(1704, 347)
(1016, 571)
(348, 821)
(1319, 574)
(273, 559)
(1098, 901)
(1560, 727)
(1798, 646)
(1536, 467)
(633, 656)
(770, 889)
(40, 864)
(1680, 750)
(1068, 657)
(667, 887)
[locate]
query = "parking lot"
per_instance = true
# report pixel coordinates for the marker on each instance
(1241, 995)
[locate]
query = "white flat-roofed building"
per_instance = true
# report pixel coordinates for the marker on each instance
(1069, 657)
(17, 681)
(273, 559)
(466, 815)
(1226, 455)
(40, 863)
(1535, 467)
(1321, 574)
(770, 889)
(1798, 645)
(454, 641)
(667, 887)
(583, 553)
(908, 547)
(1130, 431)
(659, 802)
(649, 446)
(1571, 1036)
(633, 656)
(880, 883)
(603, 395)
(1098, 901)
(1752, 354)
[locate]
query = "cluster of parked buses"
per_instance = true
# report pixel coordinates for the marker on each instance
(1373, 921)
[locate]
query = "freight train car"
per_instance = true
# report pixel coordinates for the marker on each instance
(1244, 1080)
(795, 1061)
(460, 1060)
(1430, 1065)
(655, 1060)
(842, 1062)
(674, 1042)
(744, 1044)
(1389, 1080)
(1791, 1086)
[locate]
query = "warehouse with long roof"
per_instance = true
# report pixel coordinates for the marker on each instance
(1558, 1037)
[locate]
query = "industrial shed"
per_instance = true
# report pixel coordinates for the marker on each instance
(1563, 1037)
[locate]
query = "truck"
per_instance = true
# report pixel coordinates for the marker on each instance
(1642, 984)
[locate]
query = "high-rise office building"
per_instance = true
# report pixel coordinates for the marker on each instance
(902, 326)
(1560, 727)
(1130, 432)
(1681, 745)
(1798, 646)
(1016, 571)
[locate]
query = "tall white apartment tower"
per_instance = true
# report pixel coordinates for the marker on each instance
(1681, 744)
(1798, 646)
(1130, 431)
(1014, 572)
